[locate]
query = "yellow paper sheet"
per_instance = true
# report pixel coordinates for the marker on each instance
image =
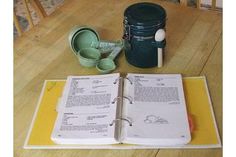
(46, 116)
(198, 102)
(199, 107)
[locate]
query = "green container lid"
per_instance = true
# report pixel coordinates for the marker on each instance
(82, 37)
(145, 14)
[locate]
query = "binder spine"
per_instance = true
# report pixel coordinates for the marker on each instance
(120, 118)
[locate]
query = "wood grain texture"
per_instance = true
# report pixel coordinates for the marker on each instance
(194, 47)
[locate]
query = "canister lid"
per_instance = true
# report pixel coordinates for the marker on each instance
(145, 14)
(82, 37)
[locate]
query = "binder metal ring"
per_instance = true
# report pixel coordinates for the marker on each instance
(129, 80)
(117, 80)
(119, 97)
(121, 78)
(119, 119)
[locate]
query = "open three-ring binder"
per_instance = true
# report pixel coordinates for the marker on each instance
(145, 109)
(204, 134)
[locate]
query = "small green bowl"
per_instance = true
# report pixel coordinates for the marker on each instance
(89, 57)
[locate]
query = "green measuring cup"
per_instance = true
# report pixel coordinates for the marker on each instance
(106, 46)
(89, 57)
(107, 65)
(81, 37)
(85, 37)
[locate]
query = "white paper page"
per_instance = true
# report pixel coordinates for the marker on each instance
(158, 112)
(86, 110)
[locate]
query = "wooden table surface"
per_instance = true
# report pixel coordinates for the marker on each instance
(194, 48)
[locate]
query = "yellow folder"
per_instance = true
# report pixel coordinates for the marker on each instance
(204, 134)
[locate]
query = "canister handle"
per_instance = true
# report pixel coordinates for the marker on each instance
(127, 33)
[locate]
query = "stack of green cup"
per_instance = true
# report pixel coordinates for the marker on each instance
(86, 45)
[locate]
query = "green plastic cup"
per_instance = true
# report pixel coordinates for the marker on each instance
(89, 57)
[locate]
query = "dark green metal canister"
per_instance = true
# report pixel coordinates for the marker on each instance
(141, 22)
